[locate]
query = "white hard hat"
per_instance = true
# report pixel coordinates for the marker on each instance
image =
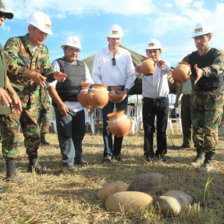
(41, 21)
(72, 41)
(201, 29)
(153, 44)
(115, 32)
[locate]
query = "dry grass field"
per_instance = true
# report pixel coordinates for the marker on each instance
(66, 198)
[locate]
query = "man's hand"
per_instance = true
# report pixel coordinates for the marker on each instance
(5, 99)
(170, 78)
(161, 63)
(63, 109)
(16, 103)
(36, 77)
(137, 69)
(59, 76)
(176, 104)
(124, 94)
(199, 73)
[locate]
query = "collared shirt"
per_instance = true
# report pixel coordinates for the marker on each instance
(73, 106)
(156, 85)
(122, 73)
(21, 56)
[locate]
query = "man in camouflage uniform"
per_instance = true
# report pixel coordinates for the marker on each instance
(44, 114)
(29, 67)
(207, 65)
(8, 96)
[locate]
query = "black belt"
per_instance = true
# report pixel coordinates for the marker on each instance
(154, 99)
(120, 87)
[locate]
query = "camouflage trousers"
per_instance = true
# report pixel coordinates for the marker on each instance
(44, 118)
(44, 111)
(207, 109)
(10, 127)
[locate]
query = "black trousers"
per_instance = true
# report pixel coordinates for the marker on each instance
(155, 108)
(186, 118)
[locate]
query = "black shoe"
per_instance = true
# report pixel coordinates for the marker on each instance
(80, 162)
(118, 158)
(11, 174)
(149, 158)
(43, 140)
(107, 159)
(35, 166)
(1, 198)
(70, 168)
(160, 157)
(198, 161)
(183, 146)
(206, 167)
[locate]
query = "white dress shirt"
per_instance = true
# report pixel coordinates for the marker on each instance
(122, 74)
(156, 85)
(73, 106)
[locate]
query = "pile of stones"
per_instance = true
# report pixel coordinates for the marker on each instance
(143, 193)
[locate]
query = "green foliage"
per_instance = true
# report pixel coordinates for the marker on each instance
(24, 221)
(207, 184)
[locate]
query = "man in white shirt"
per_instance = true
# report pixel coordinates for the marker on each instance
(113, 67)
(155, 90)
(70, 116)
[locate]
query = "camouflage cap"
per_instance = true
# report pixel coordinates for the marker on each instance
(7, 14)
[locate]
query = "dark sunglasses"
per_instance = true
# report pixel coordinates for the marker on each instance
(113, 61)
(2, 15)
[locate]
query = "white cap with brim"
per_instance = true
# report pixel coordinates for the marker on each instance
(153, 44)
(8, 15)
(72, 41)
(201, 29)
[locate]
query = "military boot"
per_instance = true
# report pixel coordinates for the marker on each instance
(198, 161)
(43, 139)
(207, 165)
(11, 174)
(35, 166)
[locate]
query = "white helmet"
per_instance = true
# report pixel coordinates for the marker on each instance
(72, 41)
(153, 44)
(115, 32)
(41, 21)
(201, 29)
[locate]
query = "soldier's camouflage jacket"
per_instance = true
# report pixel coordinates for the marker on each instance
(22, 56)
(213, 69)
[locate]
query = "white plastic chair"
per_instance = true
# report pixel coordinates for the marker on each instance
(53, 120)
(90, 120)
(135, 113)
(176, 119)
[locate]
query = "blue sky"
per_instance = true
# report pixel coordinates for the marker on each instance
(170, 21)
